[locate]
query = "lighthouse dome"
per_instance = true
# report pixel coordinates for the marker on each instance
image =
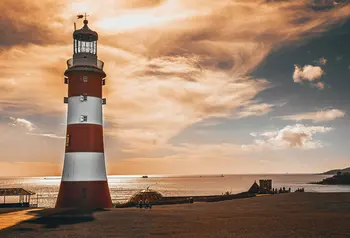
(85, 33)
(85, 40)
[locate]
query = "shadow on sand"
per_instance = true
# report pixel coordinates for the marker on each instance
(53, 218)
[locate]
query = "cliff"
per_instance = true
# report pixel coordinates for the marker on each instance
(335, 171)
(338, 179)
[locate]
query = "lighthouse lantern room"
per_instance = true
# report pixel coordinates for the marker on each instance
(84, 180)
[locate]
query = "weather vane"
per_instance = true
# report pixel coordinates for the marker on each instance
(81, 16)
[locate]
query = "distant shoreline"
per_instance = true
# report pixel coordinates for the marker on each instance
(170, 175)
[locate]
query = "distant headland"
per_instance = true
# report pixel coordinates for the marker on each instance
(340, 177)
(335, 171)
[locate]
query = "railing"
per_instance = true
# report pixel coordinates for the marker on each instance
(85, 62)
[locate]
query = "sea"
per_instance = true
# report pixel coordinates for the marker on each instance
(123, 187)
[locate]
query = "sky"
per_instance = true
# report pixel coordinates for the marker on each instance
(193, 87)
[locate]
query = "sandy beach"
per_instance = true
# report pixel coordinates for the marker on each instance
(283, 215)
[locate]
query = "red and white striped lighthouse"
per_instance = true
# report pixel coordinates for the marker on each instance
(84, 179)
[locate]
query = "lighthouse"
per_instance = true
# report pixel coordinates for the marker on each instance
(84, 180)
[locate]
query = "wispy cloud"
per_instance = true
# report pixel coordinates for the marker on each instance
(255, 110)
(22, 122)
(324, 115)
(54, 136)
(30, 128)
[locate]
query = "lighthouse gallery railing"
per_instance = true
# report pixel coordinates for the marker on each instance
(99, 64)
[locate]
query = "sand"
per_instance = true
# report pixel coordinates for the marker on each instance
(283, 215)
(11, 217)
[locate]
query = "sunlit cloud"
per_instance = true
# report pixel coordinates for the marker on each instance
(293, 136)
(162, 97)
(307, 73)
(310, 74)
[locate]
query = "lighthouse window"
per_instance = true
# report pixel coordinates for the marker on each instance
(87, 47)
(75, 46)
(91, 47)
(83, 46)
(85, 79)
(79, 45)
(83, 118)
(83, 98)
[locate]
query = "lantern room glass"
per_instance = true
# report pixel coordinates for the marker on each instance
(85, 47)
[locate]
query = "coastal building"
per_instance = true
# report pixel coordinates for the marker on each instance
(84, 180)
(254, 188)
(265, 185)
(10, 195)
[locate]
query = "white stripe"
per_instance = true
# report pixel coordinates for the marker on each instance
(84, 166)
(92, 108)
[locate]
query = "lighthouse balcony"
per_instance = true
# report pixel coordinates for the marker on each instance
(85, 62)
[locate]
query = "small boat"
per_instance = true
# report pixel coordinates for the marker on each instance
(144, 176)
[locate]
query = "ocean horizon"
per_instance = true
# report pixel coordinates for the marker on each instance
(122, 187)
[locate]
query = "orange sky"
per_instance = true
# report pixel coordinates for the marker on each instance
(163, 61)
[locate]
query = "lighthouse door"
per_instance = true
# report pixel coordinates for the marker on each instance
(84, 193)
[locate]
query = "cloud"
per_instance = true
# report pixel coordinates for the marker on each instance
(30, 127)
(319, 85)
(169, 64)
(31, 21)
(339, 58)
(293, 136)
(307, 73)
(22, 122)
(322, 61)
(164, 96)
(141, 3)
(255, 110)
(324, 115)
(54, 136)
(33, 88)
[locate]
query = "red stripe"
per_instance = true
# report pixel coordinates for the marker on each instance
(85, 194)
(84, 138)
(77, 86)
